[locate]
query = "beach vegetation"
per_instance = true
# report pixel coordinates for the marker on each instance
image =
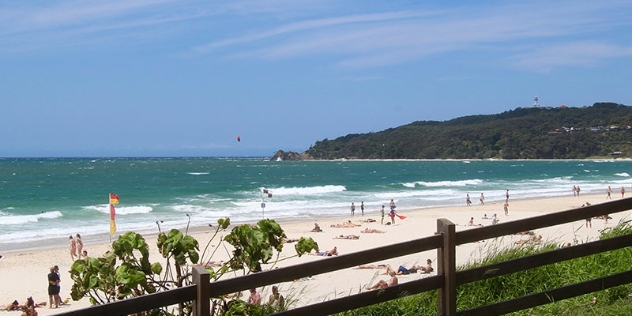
(613, 301)
(126, 271)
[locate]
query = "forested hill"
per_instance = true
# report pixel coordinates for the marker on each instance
(523, 133)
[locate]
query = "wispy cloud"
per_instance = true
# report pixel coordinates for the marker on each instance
(345, 34)
(396, 37)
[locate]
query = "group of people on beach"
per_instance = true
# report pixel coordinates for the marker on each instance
(76, 248)
(28, 308)
(275, 299)
(401, 270)
(392, 214)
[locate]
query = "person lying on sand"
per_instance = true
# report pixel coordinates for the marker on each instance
(525, 233)
(372, 231)
(384, 284)
(414, 269)
(345, 225)
(290, 240)
(370, 220)
(213, 263)
(372, 266)
(11, 306)
(347, 237)
(532, 239)
(328, 253)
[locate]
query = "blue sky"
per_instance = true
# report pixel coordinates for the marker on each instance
(184, 78)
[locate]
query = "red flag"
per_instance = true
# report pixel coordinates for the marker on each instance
(114, 198)
(112, 221)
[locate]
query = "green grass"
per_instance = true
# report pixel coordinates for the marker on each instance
(613, 301)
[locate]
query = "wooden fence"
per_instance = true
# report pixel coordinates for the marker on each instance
(445, 281)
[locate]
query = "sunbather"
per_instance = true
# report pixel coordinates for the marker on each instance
(347, 237)
(381, 284)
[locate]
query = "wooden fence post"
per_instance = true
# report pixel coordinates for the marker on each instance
(202, 305)
(446, 266)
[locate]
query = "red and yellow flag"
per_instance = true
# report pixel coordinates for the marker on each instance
(114, 198)
(112, 221)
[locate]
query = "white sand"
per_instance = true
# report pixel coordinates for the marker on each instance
(24, 274)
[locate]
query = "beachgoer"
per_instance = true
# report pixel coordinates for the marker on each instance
(28, 309)
(362, 207)
(73, 248)
(574, 191)
(79, 243)
(352, 208)
(372, 231)
(53, 289)
(254, 298)
(328, 253)
(347, 237)
(392, 204)
(507, 196)
(482, 199)
(11, 307)
(471, 222)
(372, 266)
(485, 216)
(506, 208)
(276, 299)
(382, 213)
(494, 220)
(622, 191)
(588, 222)
(428, 268)
(608, 192)
(467, 200)
(316, 228)
(392, 215)
(384, 284)
(213, 263)
(58, 284)
(84, 254)
(578, 189)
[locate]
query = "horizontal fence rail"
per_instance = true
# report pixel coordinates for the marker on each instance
(445, 281)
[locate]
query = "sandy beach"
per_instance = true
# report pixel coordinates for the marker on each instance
(23, 274)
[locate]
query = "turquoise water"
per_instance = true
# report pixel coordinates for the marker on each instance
(42, 201)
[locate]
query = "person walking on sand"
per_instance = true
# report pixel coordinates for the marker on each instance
(608, 193)
(362, 207)
(507, 196)
(352, 208)
(467, 200)
(578, 189)
(574, 191)
(73, 248)
(622, 192)
(482, 199)
(79, 246)
(382, 213)
(506, 208)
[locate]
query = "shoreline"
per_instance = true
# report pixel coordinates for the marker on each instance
(27, 269)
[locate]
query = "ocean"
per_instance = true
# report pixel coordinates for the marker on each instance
(44, 200)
